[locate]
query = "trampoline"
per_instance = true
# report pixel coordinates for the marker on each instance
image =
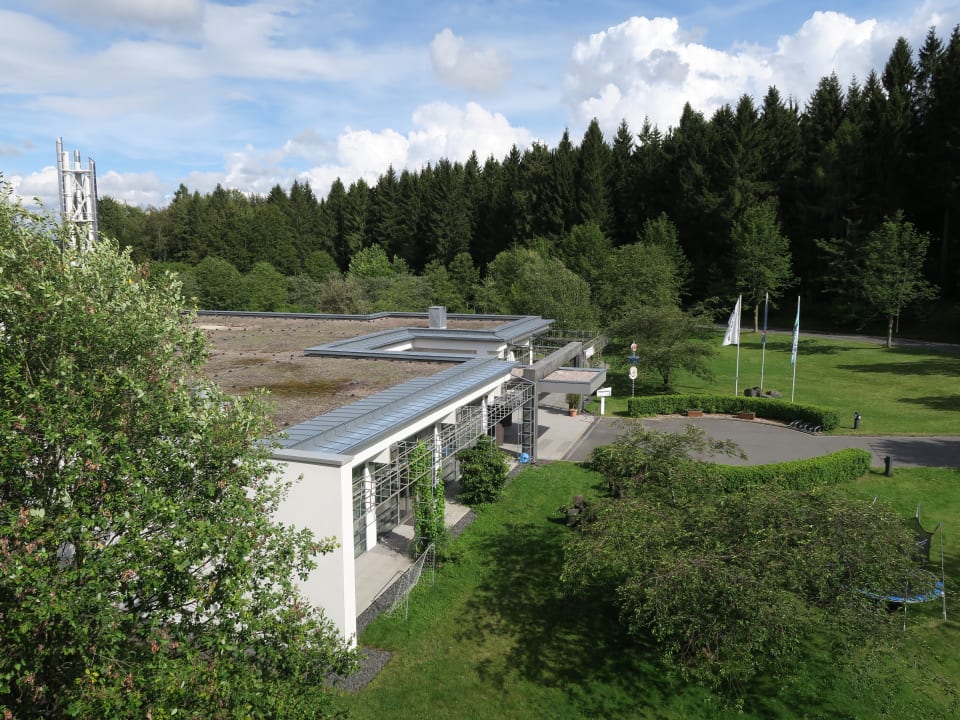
(934, 594)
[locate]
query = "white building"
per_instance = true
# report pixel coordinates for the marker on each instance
(350, 468)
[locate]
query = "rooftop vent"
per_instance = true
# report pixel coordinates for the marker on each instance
(438, 317)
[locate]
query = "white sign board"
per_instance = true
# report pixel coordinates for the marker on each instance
(605, 392)
(633, 372)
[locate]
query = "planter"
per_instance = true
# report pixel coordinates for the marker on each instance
(694, 413)
(747, 416)
(573, 412)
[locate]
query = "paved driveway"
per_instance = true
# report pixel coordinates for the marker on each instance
(765, 442)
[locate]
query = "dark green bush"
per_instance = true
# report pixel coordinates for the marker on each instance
(483, 472)
(770, 408)
(838, 467)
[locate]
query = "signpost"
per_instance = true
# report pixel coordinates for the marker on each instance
(633, 366)
(603, 393)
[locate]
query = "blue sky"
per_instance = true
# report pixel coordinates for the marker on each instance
(254, 94)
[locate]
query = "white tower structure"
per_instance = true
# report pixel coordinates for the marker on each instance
(78, 197)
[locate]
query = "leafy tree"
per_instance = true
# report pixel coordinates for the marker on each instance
(761, 255)
(585, 249)
(319, 264)
(264, 289)
(141, 573)
(637, 275)
(668, 339)
(342, 294)
(218, 283)
(444, 290)
(892, 269)
(404, 292)
(371, 262)
(732, 586)
(524, 282)
(126, 224)
(303, 293)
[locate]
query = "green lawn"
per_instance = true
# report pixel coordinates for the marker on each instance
(898, 391)
(494, 638)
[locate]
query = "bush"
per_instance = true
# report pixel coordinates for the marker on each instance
(769, 408)
(483, 472)
(838, 467)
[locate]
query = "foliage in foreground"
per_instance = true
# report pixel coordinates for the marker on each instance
(141, 574)
(731, 584)
(495, 636)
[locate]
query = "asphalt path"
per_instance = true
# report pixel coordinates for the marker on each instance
(766, 442)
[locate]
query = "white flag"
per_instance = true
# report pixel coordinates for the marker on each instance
(796, 336)
(733, 325)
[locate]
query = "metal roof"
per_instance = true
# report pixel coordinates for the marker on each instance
(349, 429)
(376, 345)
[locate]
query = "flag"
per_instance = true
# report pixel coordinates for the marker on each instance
(766, 308)
(733, 325)
(796, 335)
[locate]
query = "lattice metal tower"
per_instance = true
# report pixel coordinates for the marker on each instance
(78, 197)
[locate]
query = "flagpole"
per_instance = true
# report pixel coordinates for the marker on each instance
(736, 377)
(793, 354)
(763, 340)
(733, 338)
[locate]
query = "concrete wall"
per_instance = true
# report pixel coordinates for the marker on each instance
(321, 499)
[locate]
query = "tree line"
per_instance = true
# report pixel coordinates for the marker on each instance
(819, 180)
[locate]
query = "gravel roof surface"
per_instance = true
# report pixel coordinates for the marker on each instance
(262, 352)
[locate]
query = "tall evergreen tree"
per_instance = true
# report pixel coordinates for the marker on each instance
(622, 177)
(565, 159)
(356, 220)
(592, 194)
(330, 222)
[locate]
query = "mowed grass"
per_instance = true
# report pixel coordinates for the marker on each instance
(906, 391)
(494, 637)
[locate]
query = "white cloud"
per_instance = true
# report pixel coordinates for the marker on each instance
(440, 131)
(649, 68)
(480, 69)
(143, 189)
(40, 186)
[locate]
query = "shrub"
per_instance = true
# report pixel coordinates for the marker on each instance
(769, 408)
(483, 472)
(838, 467)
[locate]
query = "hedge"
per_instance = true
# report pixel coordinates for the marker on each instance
(837, 467)
(770, 408)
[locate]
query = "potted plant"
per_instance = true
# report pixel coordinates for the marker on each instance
(573, 403)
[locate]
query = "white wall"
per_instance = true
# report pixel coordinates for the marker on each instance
(321, 500)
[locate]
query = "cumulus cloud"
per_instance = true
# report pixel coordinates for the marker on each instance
(457, 64)
(647, 67)
(440, 131)
(40, 186)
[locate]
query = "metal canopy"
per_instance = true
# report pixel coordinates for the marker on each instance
(579, 381)
(349, 429)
